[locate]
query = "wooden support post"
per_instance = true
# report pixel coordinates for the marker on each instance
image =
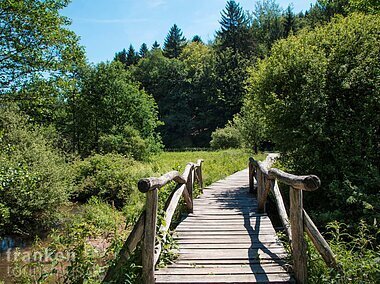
(250, 177)
(189, 188)
(200, 177)
(267, 184)
(298, 241)
(149, 237)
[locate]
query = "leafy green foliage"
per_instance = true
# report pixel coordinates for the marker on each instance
(34, 179)
(111, 177)
(305, 94)
(224, 138)
(113, 111)
(357, 256)
(34, 41)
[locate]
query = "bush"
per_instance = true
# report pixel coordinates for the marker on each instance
(128, 143)
(317, 98)
(34, 179)
(356, 254)
(111, 177)
(224, 138)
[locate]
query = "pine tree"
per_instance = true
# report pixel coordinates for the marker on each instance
(197, 38)
(234, 31)
(289, 21)
(155, 45)
(143, 50)
(121, 56)
(174, 42)
(132, 56)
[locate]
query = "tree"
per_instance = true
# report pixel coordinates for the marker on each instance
(34, 42)
(197, 38)
(143, 50)
(174, 42)
(109, 105)
(121, 56)
(155, 46)
(317, 97)
(132, 56)
(289, 21)
(234, 32)
(267, 26)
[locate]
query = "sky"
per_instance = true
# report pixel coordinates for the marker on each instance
(107, 26)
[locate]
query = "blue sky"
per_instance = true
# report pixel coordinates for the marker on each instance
(108, 26)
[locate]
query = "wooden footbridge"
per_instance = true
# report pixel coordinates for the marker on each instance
(227, 237)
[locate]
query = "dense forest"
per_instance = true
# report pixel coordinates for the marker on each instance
(79, 134)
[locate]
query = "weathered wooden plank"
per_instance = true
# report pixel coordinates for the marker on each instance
(244, 278)
(247, 245)
(222, 270)
(213, 262)
(223, 239)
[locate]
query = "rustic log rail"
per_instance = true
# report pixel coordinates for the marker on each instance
(267, 181)
(145, 228)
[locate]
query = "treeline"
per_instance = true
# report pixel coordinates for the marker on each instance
(200, 86)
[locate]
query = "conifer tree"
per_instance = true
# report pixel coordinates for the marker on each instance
(174, 42)
(132, 56)
(234, 32)
(289, 21)
(155, 45)
(197, 38)
(121, 56)
(143, 50)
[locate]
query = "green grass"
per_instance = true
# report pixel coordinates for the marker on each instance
(217, 165)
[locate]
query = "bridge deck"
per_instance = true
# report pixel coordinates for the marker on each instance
(226, 241)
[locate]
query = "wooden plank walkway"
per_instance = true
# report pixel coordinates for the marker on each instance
(226, 241)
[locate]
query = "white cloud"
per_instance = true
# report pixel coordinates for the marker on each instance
(156, 3)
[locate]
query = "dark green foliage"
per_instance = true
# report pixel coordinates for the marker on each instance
(224, 138)
(121, 56)
(143, 50)
(111, 177)
(34, 179)
(155, 46)
(267, 26)
(317, 96)
(174, 42)
(289, 21)
(197, 38)
(234, 32)
(132, 56)
(109, 107)
(34, 41)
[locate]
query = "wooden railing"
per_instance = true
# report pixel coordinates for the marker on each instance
(145, 228)
(267, 181)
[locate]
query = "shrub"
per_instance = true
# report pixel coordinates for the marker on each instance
(111, 177)
(128, 143)
(356, 254)
(317, 98)
(224, 138)
(34, 179)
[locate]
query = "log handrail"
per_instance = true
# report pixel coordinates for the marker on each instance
(267, 181)
(145, 228)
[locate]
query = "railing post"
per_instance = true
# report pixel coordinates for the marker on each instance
(199, 174)
(149, 237)
(298, 241)
(250, 176)
(189, 187)
(267, 184)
